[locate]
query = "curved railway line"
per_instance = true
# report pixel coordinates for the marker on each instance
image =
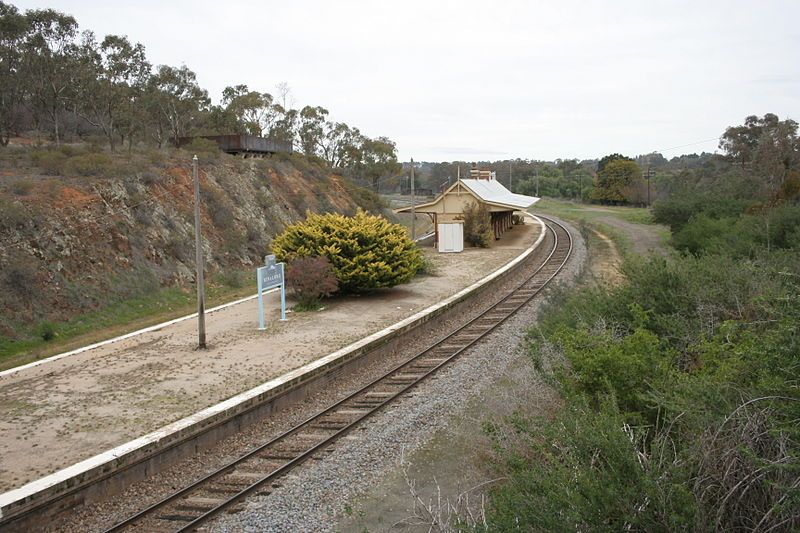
(256, 471)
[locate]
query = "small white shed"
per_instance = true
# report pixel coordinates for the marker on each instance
(451, 237)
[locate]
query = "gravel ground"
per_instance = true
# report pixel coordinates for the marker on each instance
(312, 497)
(315, 496)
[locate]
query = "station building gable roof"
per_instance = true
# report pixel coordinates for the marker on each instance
(491, 192)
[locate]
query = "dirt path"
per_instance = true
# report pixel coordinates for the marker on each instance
(644, 238)
(64, 411)
(606, 261)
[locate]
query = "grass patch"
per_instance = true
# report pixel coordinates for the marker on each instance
(47, 338)
(589, 212)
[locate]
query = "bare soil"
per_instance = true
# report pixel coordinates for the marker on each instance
(59, 413)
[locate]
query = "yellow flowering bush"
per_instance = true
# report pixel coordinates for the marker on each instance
(367, 251)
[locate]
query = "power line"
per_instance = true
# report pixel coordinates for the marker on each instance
(685, 145)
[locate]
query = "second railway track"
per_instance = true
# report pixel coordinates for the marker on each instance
(256, 471)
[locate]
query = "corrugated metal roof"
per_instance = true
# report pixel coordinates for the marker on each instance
(492, 191)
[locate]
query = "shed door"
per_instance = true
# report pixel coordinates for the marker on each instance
(451, 237)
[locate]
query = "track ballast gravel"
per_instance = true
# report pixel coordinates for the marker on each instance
(313, 497)
(310, 498)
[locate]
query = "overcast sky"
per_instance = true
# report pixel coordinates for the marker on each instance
(489, 79)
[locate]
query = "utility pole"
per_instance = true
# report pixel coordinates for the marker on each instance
(198, 243)
(413, 214)
(510, 177)
(537, 181)
(648, 174)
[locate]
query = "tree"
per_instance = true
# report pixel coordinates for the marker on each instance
(285, 97)
(175, 100)
(311, 129)
(254, 111)
(615, 181)
(48, 54)
(13, 31)
(285, 127)
(768, 145)
(340, 145)
(115, 75)
(379, 158)
(608, 159)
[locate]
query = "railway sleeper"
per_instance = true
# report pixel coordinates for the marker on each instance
(368, 403)
(352, 410)
(287, 454)
(472, 332)
(316, 436)
(379, 394)
(178, 517)
(407, 375)
(403, 381)
(334, 427)
(196, 503)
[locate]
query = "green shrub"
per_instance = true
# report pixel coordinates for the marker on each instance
(680, 395)
(50, 162)
(47, 331)
(478, 225)
(311, 278)
(367, 252)
(91, 164)
(587, 470)
(12, 215)
(427, 267)
(518, 220)
(204, 149)
(22, 187)
(364, 198)
(219, 206)
(235, 279)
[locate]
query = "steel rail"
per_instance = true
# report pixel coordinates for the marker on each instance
(565, 249)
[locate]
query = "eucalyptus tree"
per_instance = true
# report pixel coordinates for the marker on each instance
(311, 131)
(175, 102)
(13, 32)
(255, 111)
(115, 74)
(48, 62)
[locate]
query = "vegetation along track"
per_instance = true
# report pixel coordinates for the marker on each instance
(256, 471)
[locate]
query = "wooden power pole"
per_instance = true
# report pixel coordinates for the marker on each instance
(413, 214)
(198, 242)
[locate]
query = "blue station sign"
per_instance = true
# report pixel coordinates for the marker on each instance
(270, 276)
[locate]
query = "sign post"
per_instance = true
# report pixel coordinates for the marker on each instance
(270, 276)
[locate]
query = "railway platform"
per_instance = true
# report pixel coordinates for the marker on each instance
(60, 416)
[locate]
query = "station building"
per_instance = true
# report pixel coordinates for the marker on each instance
(448, 208)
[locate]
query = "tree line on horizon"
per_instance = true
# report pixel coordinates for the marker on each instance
(67, 83)
(760, 156)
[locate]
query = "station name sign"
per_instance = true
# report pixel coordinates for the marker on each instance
(269, 276)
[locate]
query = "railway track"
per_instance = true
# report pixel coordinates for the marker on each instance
(257, 471)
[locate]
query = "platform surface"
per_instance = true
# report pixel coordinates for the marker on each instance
(64, 411)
